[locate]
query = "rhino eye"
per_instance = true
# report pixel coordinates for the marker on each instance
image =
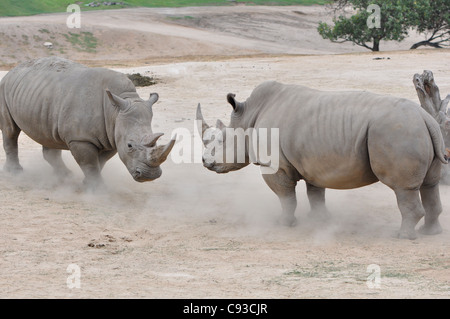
(130, 146)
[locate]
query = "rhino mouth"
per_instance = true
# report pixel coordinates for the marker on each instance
(146, 174)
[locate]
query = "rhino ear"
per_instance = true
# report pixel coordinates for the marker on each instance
(153, 98)
(117, 101)
(237, 106)
(231, 100)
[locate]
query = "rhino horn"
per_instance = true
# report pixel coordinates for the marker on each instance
(160, 153)
(200, 118)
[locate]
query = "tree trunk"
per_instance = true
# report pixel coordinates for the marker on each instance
(430, 100)
(376, 45)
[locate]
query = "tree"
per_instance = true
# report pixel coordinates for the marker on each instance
(431, 17)
(430, 100)
(392, 17)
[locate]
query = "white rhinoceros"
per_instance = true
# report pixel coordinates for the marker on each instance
(93, 112)
(342, 140)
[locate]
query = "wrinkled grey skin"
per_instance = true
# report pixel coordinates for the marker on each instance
(345, 140)
(93, 112)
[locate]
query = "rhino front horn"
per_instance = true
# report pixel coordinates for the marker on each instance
(199, 117)
(160, 153)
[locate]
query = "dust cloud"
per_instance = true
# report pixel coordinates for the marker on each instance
(188, 192)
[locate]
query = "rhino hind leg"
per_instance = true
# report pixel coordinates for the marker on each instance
(53, 157)
(10, 136)
(316, 197)
(412, 211)
(429, 192)
(284, 188)
(432, 204)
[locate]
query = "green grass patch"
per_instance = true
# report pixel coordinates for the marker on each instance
(83, 41)
(32, 7)
(181, 18)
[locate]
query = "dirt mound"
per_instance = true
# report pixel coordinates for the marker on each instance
(141, 80)
(92, 43)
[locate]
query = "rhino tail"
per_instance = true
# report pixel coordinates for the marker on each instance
(436, 137)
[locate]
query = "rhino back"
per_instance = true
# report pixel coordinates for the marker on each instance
(324, 134)
(55, 101)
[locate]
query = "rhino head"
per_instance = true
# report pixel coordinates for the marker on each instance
(218, 156)
(135, 141)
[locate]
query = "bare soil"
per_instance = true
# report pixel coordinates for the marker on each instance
(193, 233)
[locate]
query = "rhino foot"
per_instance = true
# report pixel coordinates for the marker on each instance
(432, 229)
(319, 215)
(411, 235)
(287, 220)
(94, 185)
(63, 174)
(13, 168)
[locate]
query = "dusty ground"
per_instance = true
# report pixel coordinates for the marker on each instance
(196, 234)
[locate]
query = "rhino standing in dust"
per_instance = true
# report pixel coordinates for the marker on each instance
(343, 140)
(93, 112)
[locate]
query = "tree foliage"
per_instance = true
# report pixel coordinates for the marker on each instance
(397, 17)
(432, 18)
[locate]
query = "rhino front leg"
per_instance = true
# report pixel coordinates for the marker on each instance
(412, 211)
(316, 197)
(104, 157)
(284, 187)
(53, 157)
(87, 156)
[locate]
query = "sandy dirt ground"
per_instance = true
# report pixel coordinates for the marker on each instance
(193, 233)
